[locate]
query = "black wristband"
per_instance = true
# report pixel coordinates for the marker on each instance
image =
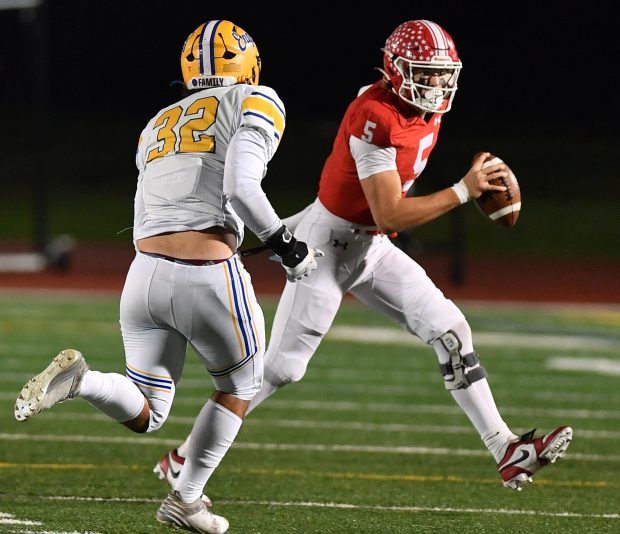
(287, 247)
(282, 242)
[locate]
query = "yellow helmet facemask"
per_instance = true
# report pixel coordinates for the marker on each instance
(219, 53)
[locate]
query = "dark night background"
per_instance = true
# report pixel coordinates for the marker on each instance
(539, 87)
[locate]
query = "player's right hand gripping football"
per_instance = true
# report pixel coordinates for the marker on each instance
(298, 259)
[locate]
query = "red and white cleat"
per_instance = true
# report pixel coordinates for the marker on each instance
(169, 468)
(529, 454)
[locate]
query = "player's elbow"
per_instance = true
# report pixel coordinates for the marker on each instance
(388, 223)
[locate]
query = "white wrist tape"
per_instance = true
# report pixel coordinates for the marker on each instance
(461, 191)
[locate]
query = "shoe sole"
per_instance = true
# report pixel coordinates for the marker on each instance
(557, 446)
(30, 400)
(172, 514)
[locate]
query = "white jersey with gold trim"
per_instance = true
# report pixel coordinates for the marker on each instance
(181, 156)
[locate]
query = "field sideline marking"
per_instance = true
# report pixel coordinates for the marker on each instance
(316, 447)
(343, 506)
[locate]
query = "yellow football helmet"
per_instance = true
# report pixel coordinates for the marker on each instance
(219, 53)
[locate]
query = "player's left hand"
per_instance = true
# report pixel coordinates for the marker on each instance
(481, 176)
(305, 266)
(297, 258)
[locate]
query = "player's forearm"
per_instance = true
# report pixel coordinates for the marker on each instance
(245, 165)
(251, 204)
(410, 212)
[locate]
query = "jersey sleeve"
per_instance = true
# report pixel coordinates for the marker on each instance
(371, 124)
(371, 159)
(263, 110)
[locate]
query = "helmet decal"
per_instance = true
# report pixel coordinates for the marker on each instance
(207, 65)
(440, 41)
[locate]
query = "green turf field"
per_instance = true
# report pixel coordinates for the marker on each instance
(368, 442)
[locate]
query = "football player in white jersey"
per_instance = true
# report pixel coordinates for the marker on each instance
(383, 144)
(201, 161)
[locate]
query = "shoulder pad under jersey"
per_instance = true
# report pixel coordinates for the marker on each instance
(262, 108)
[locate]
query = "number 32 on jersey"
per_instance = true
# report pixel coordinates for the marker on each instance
(184, 130)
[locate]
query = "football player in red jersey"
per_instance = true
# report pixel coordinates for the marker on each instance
(383, 144)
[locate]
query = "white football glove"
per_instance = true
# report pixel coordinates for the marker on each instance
(305, 266)
(297, 258)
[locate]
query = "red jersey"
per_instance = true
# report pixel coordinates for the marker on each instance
(378, 117)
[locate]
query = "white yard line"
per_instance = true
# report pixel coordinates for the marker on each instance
(603, 366)
(349, 506)
(394, 336)
(9, 519)
(393, 407)
(375, 407)
(344, 425)
(408, 408)
(314, 447)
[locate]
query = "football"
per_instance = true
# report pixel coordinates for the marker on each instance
(501, 207)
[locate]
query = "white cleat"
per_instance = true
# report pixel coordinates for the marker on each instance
(194, 517)
(57, 383)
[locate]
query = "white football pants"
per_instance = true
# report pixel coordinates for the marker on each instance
(371, 268)
(387, 280)
(165, 306)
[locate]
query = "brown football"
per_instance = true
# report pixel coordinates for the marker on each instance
(502, 207)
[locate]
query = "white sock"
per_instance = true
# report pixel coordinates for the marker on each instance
(214, 431)
(497, 441)
(183, 448)
(113, 394)
(479, 405)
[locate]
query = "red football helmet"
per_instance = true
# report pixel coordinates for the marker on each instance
(421, 65)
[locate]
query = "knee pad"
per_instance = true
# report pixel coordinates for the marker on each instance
(461, 370)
